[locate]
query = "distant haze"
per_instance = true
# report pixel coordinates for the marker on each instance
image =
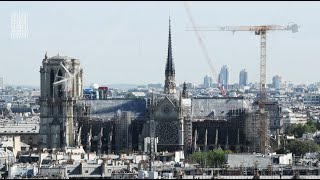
(126, 42)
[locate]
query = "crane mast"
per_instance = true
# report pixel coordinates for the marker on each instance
(262, 31)
(262, 103)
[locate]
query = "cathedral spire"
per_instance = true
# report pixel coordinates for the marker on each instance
(170, 86)
(170, 65)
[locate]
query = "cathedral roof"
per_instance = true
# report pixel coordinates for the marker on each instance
(108, 108)
(202, 107)
(66, 58)
(60, 57)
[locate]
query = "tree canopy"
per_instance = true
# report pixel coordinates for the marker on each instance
(212, 158)
(299, 129)
(299, 147)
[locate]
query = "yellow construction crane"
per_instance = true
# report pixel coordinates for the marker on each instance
(262, 31)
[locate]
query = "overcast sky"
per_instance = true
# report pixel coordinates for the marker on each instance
(126, 42)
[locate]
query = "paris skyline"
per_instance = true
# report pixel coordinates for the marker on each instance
(117, 43)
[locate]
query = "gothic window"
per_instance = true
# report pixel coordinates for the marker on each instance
(60, 91)
(50, 109)
(60, 109)
(51, 82)
(167, 131)
(53, 111)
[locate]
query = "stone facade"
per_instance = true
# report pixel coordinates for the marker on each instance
(61, 87)
(170, 120)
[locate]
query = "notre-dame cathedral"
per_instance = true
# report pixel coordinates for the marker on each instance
(111, 125)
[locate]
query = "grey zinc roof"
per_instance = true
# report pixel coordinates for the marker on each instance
(108, 108)
(60, 57)
(21, 109)
(248, 160)
(202, 107)
(20, 129)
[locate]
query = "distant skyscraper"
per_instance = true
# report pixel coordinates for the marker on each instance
(224, 77)
(1, 83)
(243, 78)
(277, 82)
(207, 81)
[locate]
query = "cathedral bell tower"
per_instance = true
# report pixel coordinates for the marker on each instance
(170, 83)
(61, 87)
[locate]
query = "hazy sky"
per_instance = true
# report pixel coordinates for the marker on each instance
(126, 42)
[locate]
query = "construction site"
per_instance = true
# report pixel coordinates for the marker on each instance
(234, 123)
(227, 123)
(261, 121)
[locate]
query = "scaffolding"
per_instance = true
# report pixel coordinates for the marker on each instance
(252, 129)
(123, 121)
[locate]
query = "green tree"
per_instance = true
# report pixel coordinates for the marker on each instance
(130, 95)
(299, 129)
(298, 147)
(216, 157)
(211, 158)
(199, 157)
(310, 127)
(281, 151)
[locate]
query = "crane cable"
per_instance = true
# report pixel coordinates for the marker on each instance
(203, 47)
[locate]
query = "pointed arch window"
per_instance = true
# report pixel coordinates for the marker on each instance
(60, 90)
(51, 82)
(60, 109)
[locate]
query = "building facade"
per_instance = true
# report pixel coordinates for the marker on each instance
(293, 117)
(61, 88)
(276, 120)
(311, 99)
